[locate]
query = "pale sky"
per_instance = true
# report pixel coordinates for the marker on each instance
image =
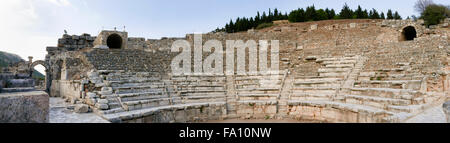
(29, 26)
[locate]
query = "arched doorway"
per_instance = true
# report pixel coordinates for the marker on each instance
(408, 33)
(114, 41)
(42, 83)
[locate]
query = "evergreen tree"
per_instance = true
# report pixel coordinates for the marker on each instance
(359, 13)
(374, 14)
(321, 15)
(397, 16)
(346, 12)
(382, 15)
(331, 14)
(302, 15)
(310, 13)
(366, 14)
(389, 14)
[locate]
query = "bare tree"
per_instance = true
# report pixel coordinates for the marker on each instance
(421, 5)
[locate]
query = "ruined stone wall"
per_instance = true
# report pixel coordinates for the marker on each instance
(76, 42)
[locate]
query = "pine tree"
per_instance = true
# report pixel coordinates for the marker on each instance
(382, 15)
(366, 14)
(389, 14)
(331, 14)
(374, 14)
(310, 13)
(397, 16)
(346, 12)
(359, 13)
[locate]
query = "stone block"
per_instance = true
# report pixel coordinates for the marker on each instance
(24, 107)
(313, 27)
(103, 101)
(81, 108)
(91, 95)
(102, 106)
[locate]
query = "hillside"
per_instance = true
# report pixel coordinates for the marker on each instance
(8, 58)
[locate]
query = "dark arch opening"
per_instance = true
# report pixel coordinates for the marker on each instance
(409, 33)
(114, 41)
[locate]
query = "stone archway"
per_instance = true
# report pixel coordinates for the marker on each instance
(114, 41)
(47, 67)
(408, 33)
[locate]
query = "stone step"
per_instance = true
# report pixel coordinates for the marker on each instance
(259, 89)
(318, 79)
(310, 96)
(342, 106)
(259, 77)
(203, 99)
(111, 111)
(406, 94)
(195, 88)
(138, 94)
(257, 102)
(339, 66)
(336, 59)
(398, 84)
(257, 82)
(140, 90)
(141, 104)
(132, 80)
(274, 86)
(340, 62)
(408, 109)
(136, 84)
(378, 102)
(333, 88)
(203, 93)
(135, 114)
(257, 95)
(333, 70)
(334, 74)
(151, 86)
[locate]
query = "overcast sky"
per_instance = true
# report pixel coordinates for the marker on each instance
(28, 26)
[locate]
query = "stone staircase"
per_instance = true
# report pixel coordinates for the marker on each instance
(129, 86)
(132, 96)
(257, 95)
(342, 85)
(200, 89)
(325, 85)
(368, 91)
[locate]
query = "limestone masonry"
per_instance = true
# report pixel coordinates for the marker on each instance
(330, 71)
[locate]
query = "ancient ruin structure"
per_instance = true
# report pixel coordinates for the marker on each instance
(20, 102)
(330, 71)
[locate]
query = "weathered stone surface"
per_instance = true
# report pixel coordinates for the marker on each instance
(446, 107)
(81, 108)
(91, 95)
(102, 106)
(24, 107)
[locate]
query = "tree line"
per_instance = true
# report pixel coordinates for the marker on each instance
(310, 13)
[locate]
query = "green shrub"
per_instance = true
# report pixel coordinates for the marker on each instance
(434, 14)
(264, 25)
